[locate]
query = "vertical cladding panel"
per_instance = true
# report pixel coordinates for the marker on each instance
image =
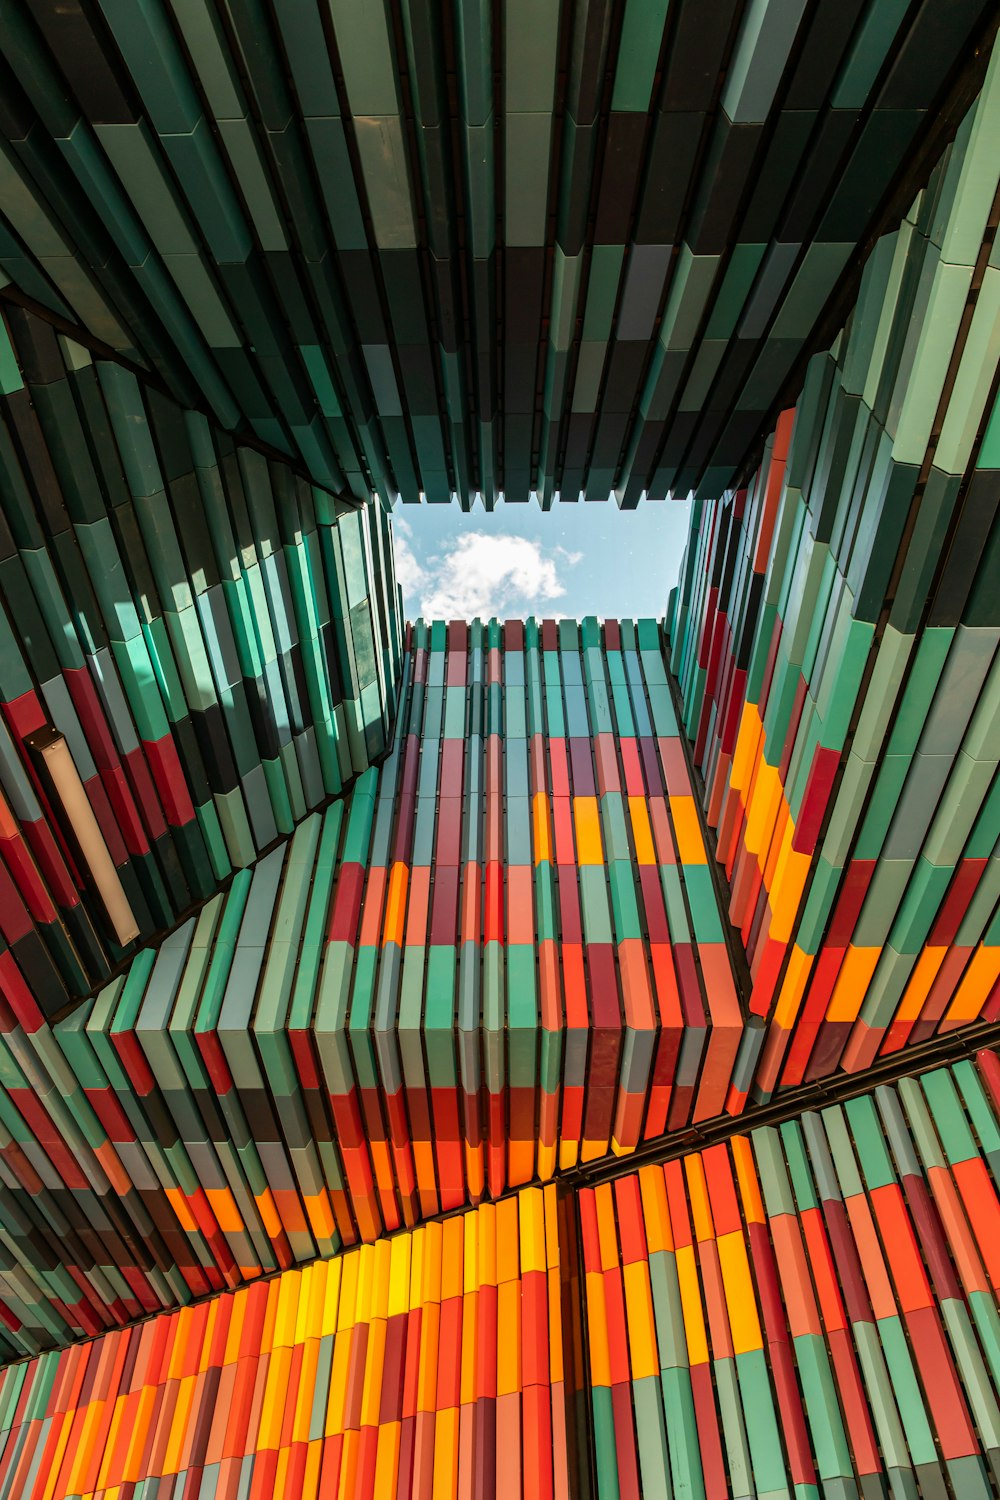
(177, 627)
(492, 960)
(833, 638)
(429, 1363)
(781, 1313)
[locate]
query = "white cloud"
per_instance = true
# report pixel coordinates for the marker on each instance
(480, 574)
(410, 576)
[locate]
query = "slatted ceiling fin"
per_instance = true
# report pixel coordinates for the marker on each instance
(627, 329)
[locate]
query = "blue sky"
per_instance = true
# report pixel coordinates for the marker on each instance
(587, 558)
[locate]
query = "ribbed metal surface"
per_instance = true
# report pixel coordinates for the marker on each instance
(808, 1311)
(550, 245)
(218, 640)
(835, 636)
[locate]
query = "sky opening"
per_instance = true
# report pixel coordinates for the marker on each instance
(577, 559)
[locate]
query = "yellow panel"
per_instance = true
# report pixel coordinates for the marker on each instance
(427, 1362)
(270, 1314)
(331, 1297)
(542, 827)
(270, 1218)
(117, 1415)
(179, 1425)
(395, 904)
(641, 1322)
(315, 1302)
(84, 1441)
(607, 1231)
(431, 1291)
(642, 833)
(319, 1212)
(741, 1300)
(977, 982)
(701, 1214)
(470, 1347)
(793, 988)
(531, 1217)
(687, 831)
(399, 1275)
(597, 1327)
(58, 1454)
(852, 983)
(470, 1253)
(745, 752)
(371, 1389)
(179, 1348)
(314, 1462)
(140, 1432)
(272, 1409)
(214, 1313)
(288, 1307)
(179, 1204)
(444, 1484)
(417, 1267)
(655, 1210)
(507, 1237)
(474, 1170)
(349, 1453)
(487, 1215)
(337, 1392)
(380, 1279)
(746, 1176)
(350, 1266)
(223, 1206)
(307, 1386)
(366, 1282)
(508, 1337)
(235, 1331)
(694, 1317)
(779, 844)
(452, 1258)
(307, 1297)
(765, 801)
(923, 976)
(387, 1459)
(569, 1152)
(786, 893)
(587, 820)
(747, 794)
(423, 1163)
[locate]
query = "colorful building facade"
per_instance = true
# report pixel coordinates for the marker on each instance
(519, 1057)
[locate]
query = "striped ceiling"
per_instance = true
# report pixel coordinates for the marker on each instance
(552, 246)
